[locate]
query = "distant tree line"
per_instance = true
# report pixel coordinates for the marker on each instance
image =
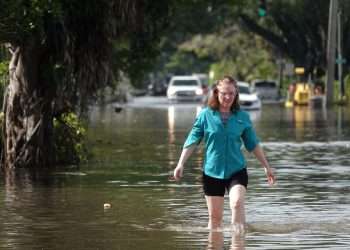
(232, 38)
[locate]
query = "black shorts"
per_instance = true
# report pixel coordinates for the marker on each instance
(217, 187)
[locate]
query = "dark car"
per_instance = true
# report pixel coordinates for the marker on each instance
(157, 88)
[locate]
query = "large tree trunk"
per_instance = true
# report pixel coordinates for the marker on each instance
(27, 113)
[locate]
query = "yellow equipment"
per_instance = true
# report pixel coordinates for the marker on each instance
(298, 94)
(302, 94)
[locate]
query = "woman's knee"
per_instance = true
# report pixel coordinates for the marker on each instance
(215, 216)
(237, 196)
(236, 203)
(215, 220)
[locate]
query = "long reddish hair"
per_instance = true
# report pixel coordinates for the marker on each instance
(213, 101)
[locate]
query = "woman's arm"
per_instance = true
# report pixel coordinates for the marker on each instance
(259, 154)
(185, 154)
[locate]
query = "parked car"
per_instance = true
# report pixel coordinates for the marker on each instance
(204, 78)
(248, 99)
(266, 89)
(185, 88)
(157, 88)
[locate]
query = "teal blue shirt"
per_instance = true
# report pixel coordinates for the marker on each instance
(223, 155)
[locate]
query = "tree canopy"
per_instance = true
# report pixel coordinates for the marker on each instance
(62, 53)
(295, 30)
(299, 30)
(76, 41)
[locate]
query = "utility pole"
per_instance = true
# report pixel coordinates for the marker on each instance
(340, 59)
(281, 64)
(331, 45)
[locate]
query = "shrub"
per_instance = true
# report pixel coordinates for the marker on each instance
(69, 140)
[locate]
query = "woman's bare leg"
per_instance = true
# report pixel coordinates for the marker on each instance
(237, 199)
(215, 210)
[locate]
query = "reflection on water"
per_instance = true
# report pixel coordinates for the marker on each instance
(216, 241)
(136, 151)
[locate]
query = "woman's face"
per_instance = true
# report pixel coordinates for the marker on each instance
(226, 95)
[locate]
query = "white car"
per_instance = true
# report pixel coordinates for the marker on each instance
(185, 88)
(247, 99)
(267, 90)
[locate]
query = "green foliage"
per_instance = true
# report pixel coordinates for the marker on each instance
(1, 126)
(144, 45)
(205, 37)
(68, 47)
(337, 95)
(85, 45)
(298, 29)
(21, 19)
(295, 29)
(4, 76)
(347, 86)
(4, 69)
(69, 140)
(187, 62)
(233, 52)
(189, 18)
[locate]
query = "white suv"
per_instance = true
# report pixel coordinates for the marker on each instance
(185, 88)
(267, 90)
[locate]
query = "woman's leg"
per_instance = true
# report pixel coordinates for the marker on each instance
(237, 199)
(215, 210)
(215, 240)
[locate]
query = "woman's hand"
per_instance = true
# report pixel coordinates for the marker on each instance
(270, 175)
(185, 154)
(178, 172)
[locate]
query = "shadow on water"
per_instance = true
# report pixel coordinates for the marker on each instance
(16, 215)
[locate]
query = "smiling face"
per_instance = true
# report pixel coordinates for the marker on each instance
(227, 93)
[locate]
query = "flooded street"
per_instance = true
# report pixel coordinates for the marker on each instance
(135, 152)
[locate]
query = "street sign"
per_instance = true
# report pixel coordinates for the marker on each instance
(299, 70)
(340, 60)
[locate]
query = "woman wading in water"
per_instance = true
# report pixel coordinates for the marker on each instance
(224, 127)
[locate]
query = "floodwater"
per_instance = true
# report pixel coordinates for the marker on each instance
(135, 152)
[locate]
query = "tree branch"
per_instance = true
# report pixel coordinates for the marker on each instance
(264, 33)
